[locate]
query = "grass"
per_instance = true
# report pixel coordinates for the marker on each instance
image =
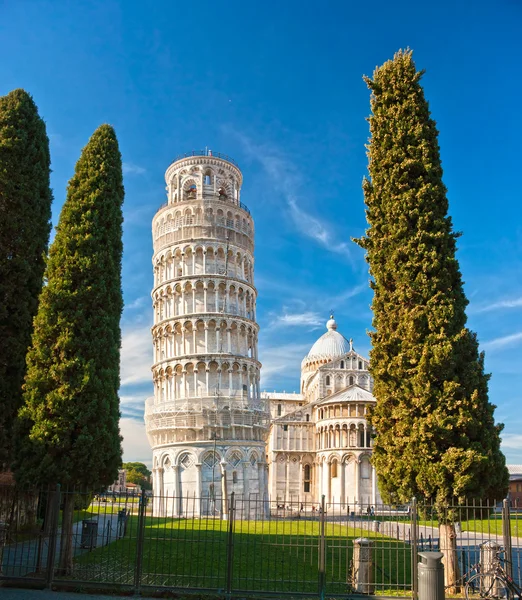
(274, 556)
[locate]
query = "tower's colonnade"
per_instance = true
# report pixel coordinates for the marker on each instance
(206, 423)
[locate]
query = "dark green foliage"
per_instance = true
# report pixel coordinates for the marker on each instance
(69, 423)
(25, 213)
(436, 436)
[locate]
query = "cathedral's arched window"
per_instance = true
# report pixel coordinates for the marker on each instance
(360, 365)
(328, 380)
(279, 409)
(342, 364)
(307, 417)
(307, 472)
(351, 380)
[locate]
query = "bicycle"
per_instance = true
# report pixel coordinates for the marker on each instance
(495, 584)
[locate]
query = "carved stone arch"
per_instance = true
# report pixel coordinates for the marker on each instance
(189, 181)
(185, 459)
(334, 456)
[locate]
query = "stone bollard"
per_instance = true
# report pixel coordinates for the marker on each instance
(488, 562)
(362, 568)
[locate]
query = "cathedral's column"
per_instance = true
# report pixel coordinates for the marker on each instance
(287, 480)
(300, 494)
(343, 482)
(357, 475)
(374, 487)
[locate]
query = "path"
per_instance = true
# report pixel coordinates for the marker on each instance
(20, 559)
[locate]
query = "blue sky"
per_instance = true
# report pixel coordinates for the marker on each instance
(278, 86)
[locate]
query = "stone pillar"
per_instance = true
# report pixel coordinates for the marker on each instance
(224, 491)
(176, 493)
(362, 569)
(357, 477)
(343, 482)
(197, 506)
(374, 486)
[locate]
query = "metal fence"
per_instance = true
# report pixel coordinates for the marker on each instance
(241, 545)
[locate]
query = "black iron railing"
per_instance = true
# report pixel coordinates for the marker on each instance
(238, 544)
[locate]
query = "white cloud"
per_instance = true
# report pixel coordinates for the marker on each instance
(132, 169)
(281, 359)
(303, 319)
(512, 441)
(137, 303)
(503, 342)
(507, 303)
(136, 447)
(286, 177)
(136, 356)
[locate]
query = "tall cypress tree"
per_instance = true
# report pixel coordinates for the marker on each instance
(69, 425)
(25, 225)
(435, 433)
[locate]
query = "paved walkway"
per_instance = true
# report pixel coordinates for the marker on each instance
(21, 559)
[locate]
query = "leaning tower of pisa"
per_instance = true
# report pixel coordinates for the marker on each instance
(206, 422)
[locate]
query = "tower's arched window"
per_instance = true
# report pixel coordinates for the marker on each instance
(328, 380)
(333, 468)
(342, 364)
(234, 476)
(307, 478)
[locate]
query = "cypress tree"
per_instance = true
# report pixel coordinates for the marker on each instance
(25, 225)
(435, 433)
(69, 424)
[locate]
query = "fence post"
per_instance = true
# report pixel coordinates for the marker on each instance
(415, 549)
(322, 552)
(506, 534)
(53, 536)
(139, 543)
(230, 544)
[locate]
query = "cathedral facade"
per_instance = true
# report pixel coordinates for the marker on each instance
(319, 442)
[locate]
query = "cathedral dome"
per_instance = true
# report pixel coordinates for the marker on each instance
(330, 345)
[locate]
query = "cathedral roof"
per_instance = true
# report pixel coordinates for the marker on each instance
(330, 345)
(350, 394)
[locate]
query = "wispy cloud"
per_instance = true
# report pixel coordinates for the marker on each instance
(137, 303)
(136, 447)
(133, 406)
(136, 355)
(132, 169)
(503, 342)
(499, 305)
(302, 319)
(282, 359)
(287, 178)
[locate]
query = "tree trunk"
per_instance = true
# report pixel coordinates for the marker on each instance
(448, 546)
(66, 540)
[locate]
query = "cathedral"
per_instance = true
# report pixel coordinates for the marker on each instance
(211, 429)
(319, 443)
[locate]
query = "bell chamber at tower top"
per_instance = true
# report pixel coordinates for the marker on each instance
(204, 203)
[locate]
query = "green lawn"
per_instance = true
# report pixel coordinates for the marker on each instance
(277, 556)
